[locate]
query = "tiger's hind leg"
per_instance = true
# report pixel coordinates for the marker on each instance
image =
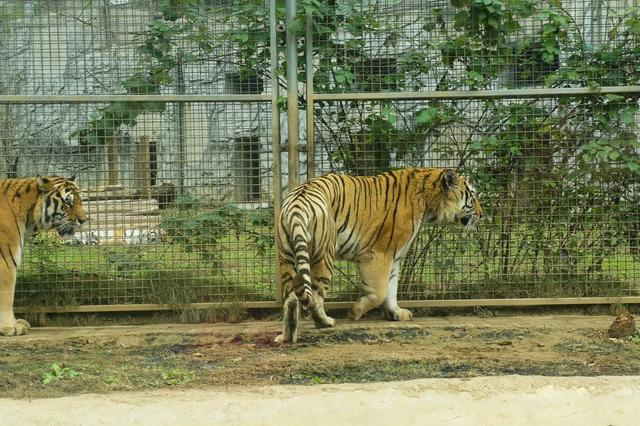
(290, 307)
(374, 278)
(9, 326)
(392, 311)
(321, 278)
(291, 312)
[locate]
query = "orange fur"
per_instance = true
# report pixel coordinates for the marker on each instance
(369, 220)
(27, 206)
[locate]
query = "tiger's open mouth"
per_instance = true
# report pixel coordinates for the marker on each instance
(469, 222)
(66, 229)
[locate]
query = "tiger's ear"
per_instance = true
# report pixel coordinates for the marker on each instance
(72, 178)
(449, 180)
(42, 183)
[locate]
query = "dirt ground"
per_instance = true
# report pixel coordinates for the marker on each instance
(235, 358)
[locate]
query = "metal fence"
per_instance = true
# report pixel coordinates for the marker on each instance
(172, 115)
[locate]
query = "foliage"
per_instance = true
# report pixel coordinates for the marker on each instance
(177, 376)
(572, 161)
(559, 176)
(42, 251)
(58, 372)
(202, 230)
(175, 37)
(128, 263)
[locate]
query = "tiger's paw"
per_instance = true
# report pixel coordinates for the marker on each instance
(280, 339)
(326, 322)
(355, 314)
(399, 314)
(19, 328)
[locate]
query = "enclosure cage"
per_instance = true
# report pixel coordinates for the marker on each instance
(185, 122)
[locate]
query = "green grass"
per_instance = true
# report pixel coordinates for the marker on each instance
(60, 275)
(158, 273)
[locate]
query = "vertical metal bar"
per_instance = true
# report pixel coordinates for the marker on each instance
(292, 95)
(181, 124)
(143, 172)
(311, 151)
(275, 133)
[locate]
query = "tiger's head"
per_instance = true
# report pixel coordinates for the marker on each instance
(460, 202)
(61, 204)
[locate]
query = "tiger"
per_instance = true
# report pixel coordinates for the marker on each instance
(29, 205)
(368, 220)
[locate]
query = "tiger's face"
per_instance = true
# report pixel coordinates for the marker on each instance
(63, 205)
(460, 202)
(469, 211)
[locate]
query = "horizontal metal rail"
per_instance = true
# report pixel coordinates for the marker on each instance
(479, 94)
(453, 303)
(91, 99)
(453, 94)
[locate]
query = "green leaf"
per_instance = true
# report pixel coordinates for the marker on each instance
(460, 20)
(296, 25)
(389, 114)
(634, 167)
(240, 37)
(615, 98)
(427, 115)
(627, 117)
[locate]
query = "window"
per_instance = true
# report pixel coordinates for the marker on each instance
(244, 83)
(378, 75)
(247, 169)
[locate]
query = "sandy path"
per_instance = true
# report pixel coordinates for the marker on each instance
(505, 400)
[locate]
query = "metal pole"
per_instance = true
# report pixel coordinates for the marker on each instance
(311, 151)
(275, 135)
(181, 126)
(292, 96)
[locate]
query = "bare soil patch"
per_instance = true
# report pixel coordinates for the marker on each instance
(156, 357)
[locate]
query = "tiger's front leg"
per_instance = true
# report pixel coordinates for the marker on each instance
(374, 279)
(9, 326)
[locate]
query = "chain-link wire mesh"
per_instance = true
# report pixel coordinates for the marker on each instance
(106, 47)
(416, 45)
(170, 222)
(556, 181)
(558, 175)
(181, 192)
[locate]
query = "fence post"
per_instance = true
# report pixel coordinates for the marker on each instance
(292, 96)
(275, 129)
(311, 158)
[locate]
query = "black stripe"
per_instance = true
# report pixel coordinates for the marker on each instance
(13, 259)
(4, 258)
(393, 218)
(6, 185)
(304, 271)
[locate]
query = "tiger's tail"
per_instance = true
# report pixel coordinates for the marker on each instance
(302, 281)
